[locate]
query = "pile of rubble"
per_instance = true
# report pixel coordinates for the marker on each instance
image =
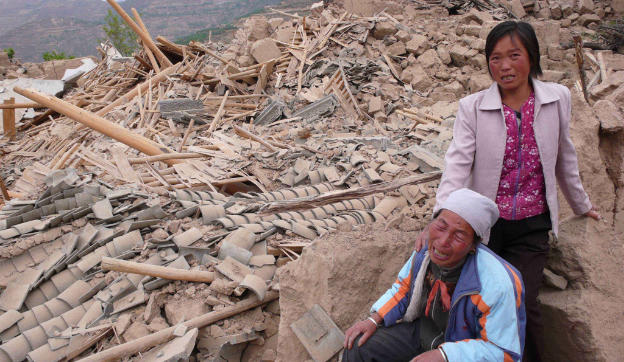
(151, 208)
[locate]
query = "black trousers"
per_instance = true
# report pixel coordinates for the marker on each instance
(524, 244)
(397, 343)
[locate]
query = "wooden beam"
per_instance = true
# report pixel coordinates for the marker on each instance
(144, 37)
(20, 105)
(170, 156)
(8, 120)
(143, 87)
(310, 202)
(117, 353)
(5, 192)
(157, 271)
(99, 124)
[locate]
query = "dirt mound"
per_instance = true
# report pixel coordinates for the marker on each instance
(344, 273)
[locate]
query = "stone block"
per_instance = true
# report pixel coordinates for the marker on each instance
(444, 55)
(33, 70)
(478, 61)
(617, 96)
(316, 9)
(567, 10)
(4, 59)
(375, 105)
(556, 12)
(420, 79)
(429, 58)
(275, 22)
(184, 309)
(477, 16)
(397, 48)
(456, 88)
(587, 19)
(609, 115)
(403, 36)
(548, 33)
(384, 28)
(555, 52)
(479, 83)
(544, 13)
(417, 45)
(517, 9)
(285, 34)
(257, 28)
(585, 7)
(458, 54)
(265, 50)
(472, 30)
(360, 7)
(478, 44)
(552, 76)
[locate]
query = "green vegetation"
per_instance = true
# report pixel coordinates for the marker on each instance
(202, 35)
(120, 34)
(53, 55)
(10, 52)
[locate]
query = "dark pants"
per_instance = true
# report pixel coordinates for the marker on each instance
(397, 343)
(524, 244)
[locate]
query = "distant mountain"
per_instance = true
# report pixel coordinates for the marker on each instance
(33, 27)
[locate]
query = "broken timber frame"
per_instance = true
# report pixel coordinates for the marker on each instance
(144, 343)
(99, 124)
(310, 202)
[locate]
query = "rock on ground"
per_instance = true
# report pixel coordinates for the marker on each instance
(343, 272)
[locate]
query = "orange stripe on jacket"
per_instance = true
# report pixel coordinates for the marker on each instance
(485, 309)
(508, 358)
(405, 286)
(518, 287)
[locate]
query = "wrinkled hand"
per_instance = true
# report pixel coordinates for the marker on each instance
(431, 356)
(365, 327)
(421, 239)
(593, 214)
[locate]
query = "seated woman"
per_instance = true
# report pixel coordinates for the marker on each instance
(453, 302)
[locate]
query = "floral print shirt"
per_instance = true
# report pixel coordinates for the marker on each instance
(521, 190)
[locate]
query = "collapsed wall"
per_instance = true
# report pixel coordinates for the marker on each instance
(344, 273)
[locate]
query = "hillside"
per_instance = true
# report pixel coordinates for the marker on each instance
(32, 27)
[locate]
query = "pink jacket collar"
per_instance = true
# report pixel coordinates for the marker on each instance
(492, 99)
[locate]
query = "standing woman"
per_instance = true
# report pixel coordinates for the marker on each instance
(512, 144)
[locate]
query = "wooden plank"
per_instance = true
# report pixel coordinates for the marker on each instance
(8, 120)
(123, 165)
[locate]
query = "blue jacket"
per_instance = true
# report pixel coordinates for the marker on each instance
(487, 317)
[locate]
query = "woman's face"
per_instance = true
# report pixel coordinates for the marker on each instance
(450, 239)
(510, 65)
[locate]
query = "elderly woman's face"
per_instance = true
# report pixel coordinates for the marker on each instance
(450, 239)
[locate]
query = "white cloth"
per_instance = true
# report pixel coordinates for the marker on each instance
(479, 211)
(413, 310)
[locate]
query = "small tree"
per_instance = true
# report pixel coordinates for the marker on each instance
(53, 55)
(120, 34)
(10, 52)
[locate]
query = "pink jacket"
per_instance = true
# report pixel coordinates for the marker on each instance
(475, 156)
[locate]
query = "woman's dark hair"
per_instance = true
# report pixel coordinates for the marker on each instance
(517, 30)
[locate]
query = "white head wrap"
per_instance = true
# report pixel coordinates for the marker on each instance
(479, 211)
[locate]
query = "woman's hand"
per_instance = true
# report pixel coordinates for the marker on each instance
(421, 239)
(593, 214)
(365, 327)
(431, 356)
